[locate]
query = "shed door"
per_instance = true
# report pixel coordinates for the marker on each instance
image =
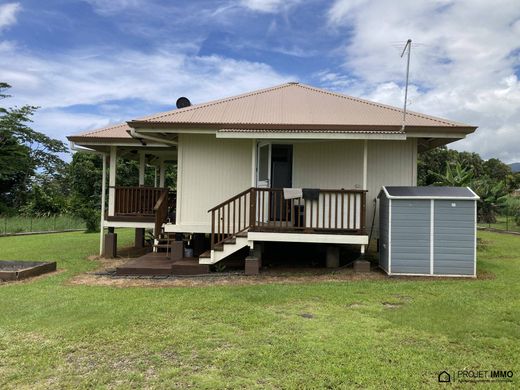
(410, 229)
(454, 242)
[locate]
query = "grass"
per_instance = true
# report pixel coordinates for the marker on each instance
(21, 224)
(503, 223)
(365, 334)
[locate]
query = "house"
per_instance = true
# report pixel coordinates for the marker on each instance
(243, 161)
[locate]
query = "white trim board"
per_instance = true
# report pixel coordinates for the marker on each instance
(187, 228)
(310, 135)
(430, 275)
(389, 236)
(432, 235)
(310, 238)
(125, 224)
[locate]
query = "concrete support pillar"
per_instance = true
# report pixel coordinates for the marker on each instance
(139, 238)
(252, 265)
(142, 165)
(332, 257)
(257, 252)
(110, 247)
(362, 249)
(112, 181)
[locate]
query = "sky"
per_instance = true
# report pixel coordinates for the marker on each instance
(90, 63)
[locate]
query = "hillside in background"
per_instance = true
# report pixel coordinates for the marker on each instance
(515, 167)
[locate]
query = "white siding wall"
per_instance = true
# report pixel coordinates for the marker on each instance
(390, 163)
(211, 170)
(339, 164)
(328, 164)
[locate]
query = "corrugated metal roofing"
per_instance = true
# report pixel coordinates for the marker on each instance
(429, 192)
(119, 131)
(293, 104)
(284, 108)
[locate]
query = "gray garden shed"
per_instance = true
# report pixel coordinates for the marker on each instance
(428, 231)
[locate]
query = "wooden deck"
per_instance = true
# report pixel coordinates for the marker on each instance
(158, 264)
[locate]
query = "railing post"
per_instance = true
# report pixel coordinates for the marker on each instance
(252, 208)
(363, 210)
(212, 229)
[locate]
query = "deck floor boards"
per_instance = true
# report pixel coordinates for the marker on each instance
(157, 263)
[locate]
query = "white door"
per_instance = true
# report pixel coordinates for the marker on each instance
(263, 165)
(263, 180)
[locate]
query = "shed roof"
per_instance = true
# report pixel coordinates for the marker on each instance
(430, 192)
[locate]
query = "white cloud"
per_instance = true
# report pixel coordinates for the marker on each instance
(100, 79)
(268, 6)
(110, 7)
(8, 13)
(463, 62)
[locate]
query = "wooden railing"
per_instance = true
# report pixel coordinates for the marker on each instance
(332, 210)
(266, 209)
(232, 217)
(137, 201)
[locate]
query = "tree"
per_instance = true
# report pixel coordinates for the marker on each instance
(454, 176)
(85, 183)
(24, 153)
(492, 198)
(497, 169)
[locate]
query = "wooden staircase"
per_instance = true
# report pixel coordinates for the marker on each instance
(225, 249)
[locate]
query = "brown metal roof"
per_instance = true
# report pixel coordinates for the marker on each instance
(292, 105)
(286, 107)
(115, 133)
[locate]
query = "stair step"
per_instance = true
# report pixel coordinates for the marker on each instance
(205, 255)
(230, 241)
(218, 248)
(242, 234)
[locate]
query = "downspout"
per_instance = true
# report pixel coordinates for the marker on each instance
(76, 148)
(135, 134)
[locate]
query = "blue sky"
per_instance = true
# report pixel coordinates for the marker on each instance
(88, 63)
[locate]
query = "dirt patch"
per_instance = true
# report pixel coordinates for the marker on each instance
(404, 298)
(355, 305)
(270, 276)
(392, 305)
(307, 315)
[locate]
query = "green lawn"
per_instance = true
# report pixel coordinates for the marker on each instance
(56, 335)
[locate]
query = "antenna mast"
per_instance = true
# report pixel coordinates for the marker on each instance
(409, 47)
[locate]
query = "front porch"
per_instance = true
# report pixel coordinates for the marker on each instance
(322, 216)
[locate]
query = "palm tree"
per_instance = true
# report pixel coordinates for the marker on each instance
(455, 176)
(492, 198)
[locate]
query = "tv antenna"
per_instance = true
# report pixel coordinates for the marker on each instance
(409, 47)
